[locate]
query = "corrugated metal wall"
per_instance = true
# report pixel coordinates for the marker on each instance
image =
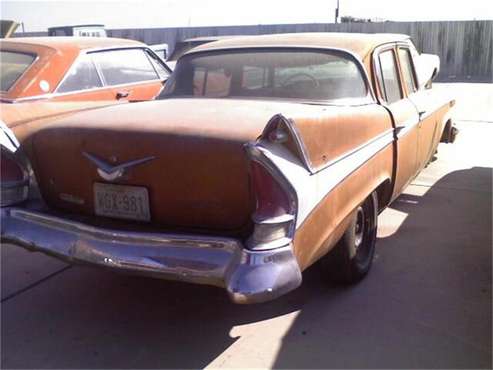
(465, 47)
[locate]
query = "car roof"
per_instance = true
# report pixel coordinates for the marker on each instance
(360, 44)
(71, 43)
(211, 38)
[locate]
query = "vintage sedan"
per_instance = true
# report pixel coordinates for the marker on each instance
(263, 155)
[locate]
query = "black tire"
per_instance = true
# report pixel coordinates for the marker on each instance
(352, 257)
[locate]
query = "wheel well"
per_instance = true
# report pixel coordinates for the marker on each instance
(384, 192)
(446, 131)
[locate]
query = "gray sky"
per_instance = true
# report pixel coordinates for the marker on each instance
(41, 14)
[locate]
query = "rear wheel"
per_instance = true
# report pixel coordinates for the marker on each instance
(352, 257)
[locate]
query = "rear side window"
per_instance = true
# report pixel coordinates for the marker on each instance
(125, 66)
(389, 78)
(407, 70)
(82, 76)
(12, 66)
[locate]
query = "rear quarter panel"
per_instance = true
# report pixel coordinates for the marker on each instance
(348, 153)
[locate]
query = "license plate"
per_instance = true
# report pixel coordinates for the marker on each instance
(121, 201)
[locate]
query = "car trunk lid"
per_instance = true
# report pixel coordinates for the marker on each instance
(191, 155)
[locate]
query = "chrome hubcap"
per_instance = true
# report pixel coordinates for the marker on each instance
(359, 228)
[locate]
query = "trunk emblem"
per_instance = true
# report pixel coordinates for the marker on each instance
(111, 173)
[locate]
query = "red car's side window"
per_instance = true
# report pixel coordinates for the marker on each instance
(82, 76)
(124, 66)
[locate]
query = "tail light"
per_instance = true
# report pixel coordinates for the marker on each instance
(13, 180)
(275, 208)
(10, 170)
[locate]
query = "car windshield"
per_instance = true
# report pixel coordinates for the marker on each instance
(282, 74)
(12, 66)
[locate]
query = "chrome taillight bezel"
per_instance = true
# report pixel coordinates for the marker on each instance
(13, 192)
(270, 232)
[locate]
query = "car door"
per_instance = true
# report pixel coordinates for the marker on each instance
(132, 73)
(404, 115)
(423, 101)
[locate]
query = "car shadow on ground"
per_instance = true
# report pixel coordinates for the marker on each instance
(426, 303)
(89, 318)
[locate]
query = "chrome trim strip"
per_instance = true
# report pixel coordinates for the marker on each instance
(247, 276)
(56, 94)
(353, 151)
(273, 220)
(303, 153)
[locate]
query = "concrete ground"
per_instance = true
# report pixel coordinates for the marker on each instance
(426, 303)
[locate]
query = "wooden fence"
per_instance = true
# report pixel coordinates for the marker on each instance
(465, 47)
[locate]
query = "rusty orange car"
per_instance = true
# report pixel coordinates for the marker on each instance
(79, 68)
(79, 72)
(261, 156)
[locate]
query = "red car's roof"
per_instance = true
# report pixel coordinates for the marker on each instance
(70, 43)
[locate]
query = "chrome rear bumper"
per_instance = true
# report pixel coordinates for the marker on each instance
(248, 276)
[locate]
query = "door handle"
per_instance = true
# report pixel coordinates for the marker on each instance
(122, 94)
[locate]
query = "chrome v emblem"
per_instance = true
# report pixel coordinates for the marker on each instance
(111, 173)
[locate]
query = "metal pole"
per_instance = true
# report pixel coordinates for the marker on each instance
(337, 12)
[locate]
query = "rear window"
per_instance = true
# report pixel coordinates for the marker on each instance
(12, 66)
(283, 74)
